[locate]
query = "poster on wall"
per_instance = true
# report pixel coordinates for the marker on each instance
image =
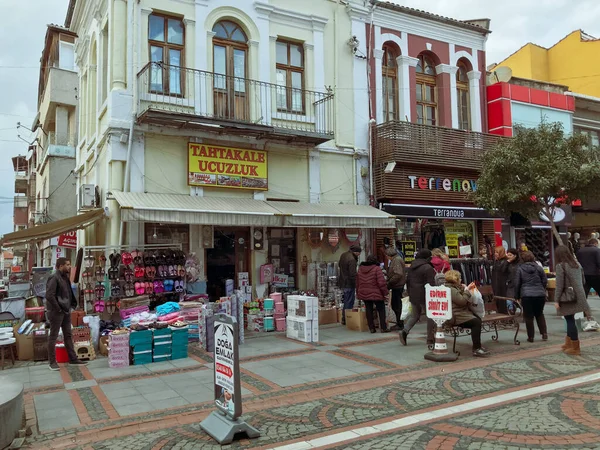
(227, 167)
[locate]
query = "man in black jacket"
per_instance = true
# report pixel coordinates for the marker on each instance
(59, 301)
(347, 279)
(421, 272)
(589, 258)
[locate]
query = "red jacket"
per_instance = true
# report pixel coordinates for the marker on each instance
(370, 283)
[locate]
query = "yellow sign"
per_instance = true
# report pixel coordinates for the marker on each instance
(211, 165)
(452, 240)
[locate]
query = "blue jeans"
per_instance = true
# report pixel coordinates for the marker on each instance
(572, 327)
(349, 298)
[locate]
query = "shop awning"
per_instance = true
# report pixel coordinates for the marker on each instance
(50, 230)
(228, 211)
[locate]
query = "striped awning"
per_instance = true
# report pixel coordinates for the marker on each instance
(227, 211)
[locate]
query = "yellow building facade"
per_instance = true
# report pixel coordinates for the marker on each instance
(573, 62)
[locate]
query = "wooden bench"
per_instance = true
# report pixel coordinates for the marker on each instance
(498, 316)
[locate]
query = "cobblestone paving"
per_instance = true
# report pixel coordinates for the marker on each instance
(306, 411)
(75, 373)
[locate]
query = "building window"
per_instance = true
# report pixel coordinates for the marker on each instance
(462, 94)
(104, 78)
(166, 41)
(593, 136)
(290, 76)
(230, 50)
(390, 84)
(426, 91)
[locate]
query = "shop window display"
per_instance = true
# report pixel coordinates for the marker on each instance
(168, 234)
(282, 253)
(456, 237)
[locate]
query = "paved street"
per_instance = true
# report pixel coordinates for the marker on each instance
(353, 390)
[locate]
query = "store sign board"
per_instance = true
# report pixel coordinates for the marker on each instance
(211, 165)
(280, 280)
(438, 212)
(228, 394)
(68, 240)
(442, 184)
(438, 302)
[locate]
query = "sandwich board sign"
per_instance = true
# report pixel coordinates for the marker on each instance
(438, 304)
(223, 424)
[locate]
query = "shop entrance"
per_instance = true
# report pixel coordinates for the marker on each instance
(229, 256)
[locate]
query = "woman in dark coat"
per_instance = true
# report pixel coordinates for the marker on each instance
(421, 273)
(512, 256)
(530, 286)
(500, 272)
(570, 274)
(371, 288)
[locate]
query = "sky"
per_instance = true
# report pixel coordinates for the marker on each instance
(514, 23)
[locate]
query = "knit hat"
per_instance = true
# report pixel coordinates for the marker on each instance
(355, 248)
(391, 251)
(423, 254)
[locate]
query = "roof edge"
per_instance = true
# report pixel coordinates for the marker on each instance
(70, 11)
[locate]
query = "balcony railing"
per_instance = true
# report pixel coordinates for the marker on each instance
(172, 94)
(430, 145)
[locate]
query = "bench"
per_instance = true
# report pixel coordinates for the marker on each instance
(498, 316)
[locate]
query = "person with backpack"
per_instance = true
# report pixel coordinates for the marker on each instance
(441, 265)
(420, 274)
(396, 280)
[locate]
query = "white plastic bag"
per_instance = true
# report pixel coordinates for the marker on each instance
(406, 308)
(477, 306)
(590, 325)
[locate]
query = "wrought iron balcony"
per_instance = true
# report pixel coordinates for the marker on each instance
(190, 98)
(406, 142)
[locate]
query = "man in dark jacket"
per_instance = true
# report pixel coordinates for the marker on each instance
(347, 280)
(421, 272)
(396, 281)
(589, 258)
(59, 301)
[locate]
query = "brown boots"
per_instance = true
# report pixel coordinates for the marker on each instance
(572, 347)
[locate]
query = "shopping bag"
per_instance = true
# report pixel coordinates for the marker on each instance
(477, 307)
(406, 308)
(590, 325)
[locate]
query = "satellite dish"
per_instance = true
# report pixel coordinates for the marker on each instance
(502, 74)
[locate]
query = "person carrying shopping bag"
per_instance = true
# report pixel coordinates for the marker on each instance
(371, 288)
(569, 297)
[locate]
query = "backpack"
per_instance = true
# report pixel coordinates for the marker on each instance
(440, 278)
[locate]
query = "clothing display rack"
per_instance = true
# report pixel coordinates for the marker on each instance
(478, 270)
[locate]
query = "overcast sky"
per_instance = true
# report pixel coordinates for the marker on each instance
(514, 23)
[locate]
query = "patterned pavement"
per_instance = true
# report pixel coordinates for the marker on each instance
(373, 390)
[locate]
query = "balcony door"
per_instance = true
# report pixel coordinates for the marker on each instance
(230, 86)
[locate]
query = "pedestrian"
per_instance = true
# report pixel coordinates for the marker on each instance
(372, 289)
(570, 277)
(347, 279)
(396, 280)
(421, 272)
(500, 272)
(512, 256)
(381, 252)
(462, 316)
(589, 258)
(59, 302)
(530, 287)
(440, 261)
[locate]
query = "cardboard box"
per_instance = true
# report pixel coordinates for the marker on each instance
(315, 331)
(339, 315)
(24, 345)
(299, 329)
(328, 316)
(356, 320)
(303, 307)
(103, 345)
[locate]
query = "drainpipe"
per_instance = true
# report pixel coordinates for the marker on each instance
(127, 175)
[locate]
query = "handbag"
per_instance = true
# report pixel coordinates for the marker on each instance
(568, 293)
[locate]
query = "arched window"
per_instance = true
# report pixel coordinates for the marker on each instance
(426, 91)
(462, 94)
(390, 84)
(230, 50)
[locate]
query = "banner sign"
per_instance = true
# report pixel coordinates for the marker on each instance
(438, 301)
(68, 240)
(40, 277)
(280, 280)
(227, 167)
(228, 393)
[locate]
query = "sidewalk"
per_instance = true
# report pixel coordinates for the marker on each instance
(292, 391)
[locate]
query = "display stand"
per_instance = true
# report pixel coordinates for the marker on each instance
(438, 302)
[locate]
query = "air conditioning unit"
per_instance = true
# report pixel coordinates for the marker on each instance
(87, 197)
